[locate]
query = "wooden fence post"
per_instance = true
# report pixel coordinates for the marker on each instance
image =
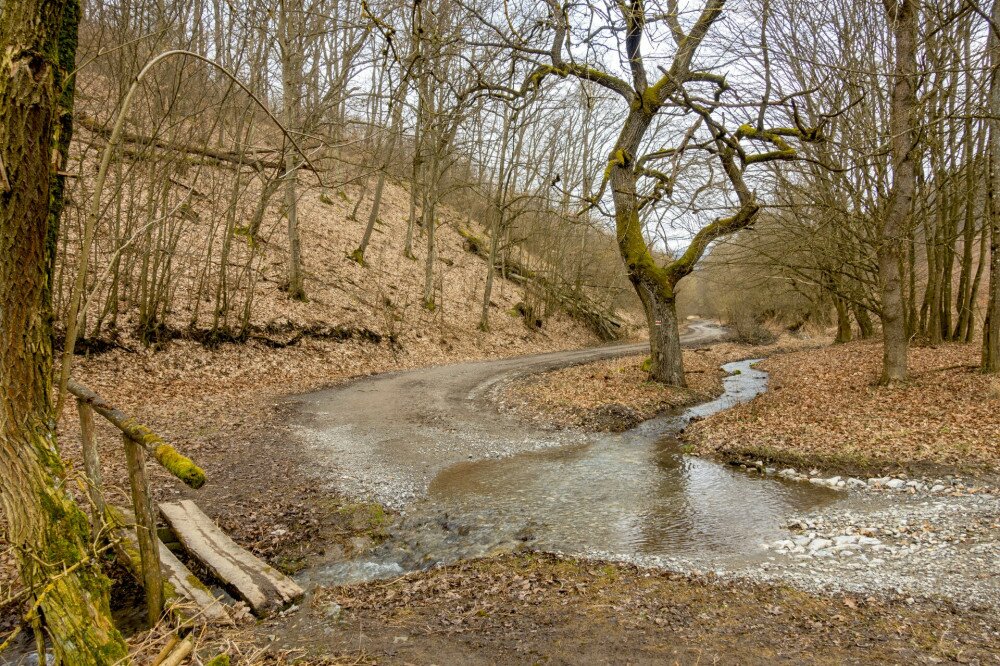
(92, 462)
(145, 529)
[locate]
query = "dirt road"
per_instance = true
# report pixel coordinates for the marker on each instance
(387, 437)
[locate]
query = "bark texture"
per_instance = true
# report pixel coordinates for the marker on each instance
(991, 333)
(902, 15)
(47, 529)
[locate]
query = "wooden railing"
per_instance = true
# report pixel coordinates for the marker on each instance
(139, 442)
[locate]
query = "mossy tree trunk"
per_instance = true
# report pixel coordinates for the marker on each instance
(653, 284)
(47, 529)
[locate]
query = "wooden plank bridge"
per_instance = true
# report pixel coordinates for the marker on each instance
(168, 584)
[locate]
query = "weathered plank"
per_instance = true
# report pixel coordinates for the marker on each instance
(190, 598)
(185, 596)
(262, 586)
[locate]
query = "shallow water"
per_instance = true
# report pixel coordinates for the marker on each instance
(629, 495)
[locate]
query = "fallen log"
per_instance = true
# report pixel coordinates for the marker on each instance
(228, 157)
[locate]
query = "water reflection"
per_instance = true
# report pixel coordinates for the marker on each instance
(633, 493)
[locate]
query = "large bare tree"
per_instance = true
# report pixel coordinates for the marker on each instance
(655, 280)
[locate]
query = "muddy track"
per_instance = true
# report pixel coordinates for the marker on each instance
(387, 437)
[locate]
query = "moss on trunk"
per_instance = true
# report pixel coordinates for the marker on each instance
(49, 532)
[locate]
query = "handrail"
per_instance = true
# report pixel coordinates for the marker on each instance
(173, 461)
(139, 441)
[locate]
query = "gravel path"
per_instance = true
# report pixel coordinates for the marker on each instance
(386, 438)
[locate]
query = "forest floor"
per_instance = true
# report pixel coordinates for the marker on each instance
(544, 609)
(229, 413)
(226, 408)
(616, 394)
(823, 409)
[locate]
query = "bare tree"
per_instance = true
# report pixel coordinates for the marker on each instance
(656, 284)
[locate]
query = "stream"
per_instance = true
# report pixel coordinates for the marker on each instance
(629, 496)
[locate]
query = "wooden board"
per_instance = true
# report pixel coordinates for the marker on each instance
(186, 596)
(192, 600)
(262, 586)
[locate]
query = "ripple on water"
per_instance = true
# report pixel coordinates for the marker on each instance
(628, 494)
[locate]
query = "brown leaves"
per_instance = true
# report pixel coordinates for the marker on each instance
(611, 395)
(825, 404)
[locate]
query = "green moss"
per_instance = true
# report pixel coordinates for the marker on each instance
(179, 465)
(367, 518)
(358, 257)
(650, 100)
(647, 364)
(618, 158)
(196, 583)
(218, 660)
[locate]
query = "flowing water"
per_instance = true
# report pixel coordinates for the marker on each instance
(634, 495)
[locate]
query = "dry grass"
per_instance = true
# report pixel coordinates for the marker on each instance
(824, 408)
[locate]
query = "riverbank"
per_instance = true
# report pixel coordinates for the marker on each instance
(227, 408)
(546, 609)
(610, 396)
(616, 395)
(824, 410)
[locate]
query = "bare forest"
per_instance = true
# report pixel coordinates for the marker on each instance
(482, 331)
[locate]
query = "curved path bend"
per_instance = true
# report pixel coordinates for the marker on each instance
(386, 437)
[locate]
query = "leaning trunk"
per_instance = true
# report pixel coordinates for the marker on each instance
(47, 530)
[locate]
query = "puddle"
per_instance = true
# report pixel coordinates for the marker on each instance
(629, 495)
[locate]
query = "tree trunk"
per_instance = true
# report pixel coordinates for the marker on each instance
(666, 363)
(430, 226)
(500, 206)
(397, 121)
(653, 285)
(484, 317)
(902, 15)
(844, 332)
(48, 531)
(290, 93)
(991, 332)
